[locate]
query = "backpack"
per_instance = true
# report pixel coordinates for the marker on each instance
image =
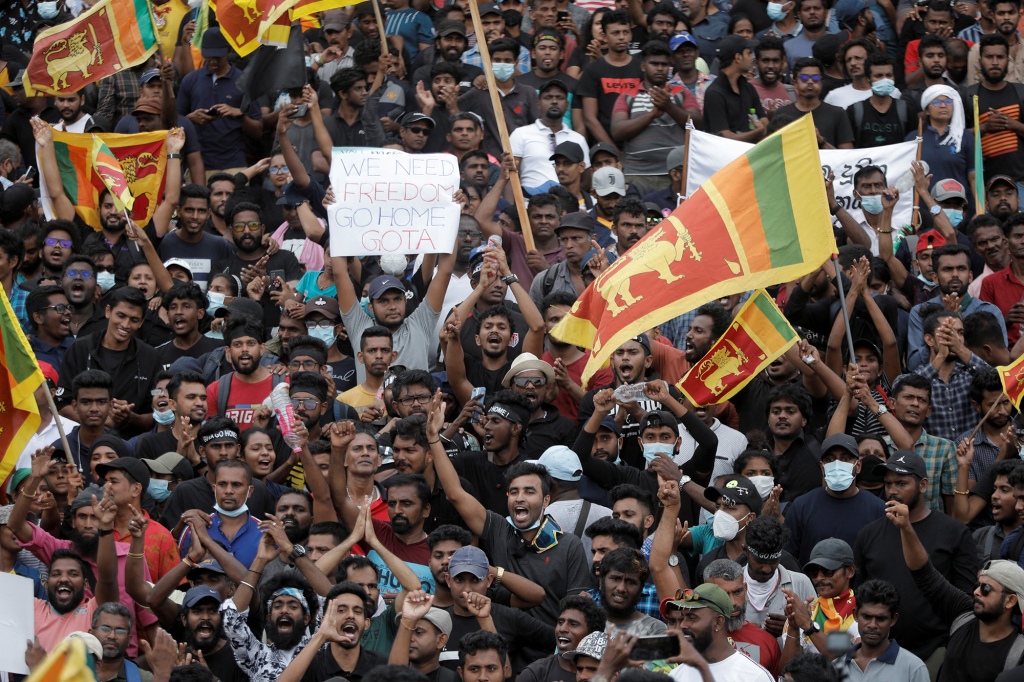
(224, 388)
(858, 114)
(1013, 656)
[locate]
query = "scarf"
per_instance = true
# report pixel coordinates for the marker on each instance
(955, 134)
(834, 614)
(758, 594)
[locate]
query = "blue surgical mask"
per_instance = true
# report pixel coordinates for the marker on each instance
(163, 417)
(955, 215)
(231, 514)
(364, 303)
(775, 11)
(219, 334)
(325, 334)
(652, 450)
(47, 10)
(216, 302)
(158, 489)
(105, 280)
(839, 476)
(535, 525)
(883, 87)
(872, 204)
(503, 71)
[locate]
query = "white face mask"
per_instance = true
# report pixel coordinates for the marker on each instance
(47, 10)
(163, 417)
(105, 280)
(216, 302)
(763, 484)
(725, 526)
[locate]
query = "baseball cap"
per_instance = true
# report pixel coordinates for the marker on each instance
(1006, 573)
(17, 198)
(525, 362)
(680, 39)
(1000, 178)
(576, 220)
(610, 424)
(181, 263)
(291, 196)
(554, 83)
(49, 372)
(147, 105)
(659, 418)
(830, 554)
(732, 45)
(705, 596)
(643, 341)
(608, 180)
(328, 307)
(605, 147)
(864, 342)
(450, 26)
(335, 20)
(948, 189)
(415, 117)
(84, 498)
(131, 466)
(490, 8)
(592, 645)
(842, 441)
(242, 305)
(198, 593)
(148, 75)
(569, 150)
(171, 464)
(214, 44)
(904, 462)
(211, 565)
(929, 240)
(92, 644)
(737, 488)
(470, 560)
(384, 283)
(675, 159)
(440, 619)
(561, 462)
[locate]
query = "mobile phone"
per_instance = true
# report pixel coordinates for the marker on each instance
(655, 648)
(562, 16)
(213, 112)
(276, 275)
(478, 394)
(30, 173)
(300, 111)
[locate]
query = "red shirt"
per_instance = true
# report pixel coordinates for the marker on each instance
(564, 402)
(160, 548)
(243, 399)
(1002, 289)
(758, 645)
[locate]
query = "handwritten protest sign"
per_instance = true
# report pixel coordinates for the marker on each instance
(387, 201)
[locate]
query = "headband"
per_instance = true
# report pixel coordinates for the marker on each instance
(311, 351)
(291, 592)
(764, 556)
(505, 412)
(223, 434)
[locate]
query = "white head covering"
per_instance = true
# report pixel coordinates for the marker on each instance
(956, 125)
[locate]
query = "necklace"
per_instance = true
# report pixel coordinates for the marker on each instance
(374, 495)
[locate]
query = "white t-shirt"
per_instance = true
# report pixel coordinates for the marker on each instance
(730, 444)
(736, 668)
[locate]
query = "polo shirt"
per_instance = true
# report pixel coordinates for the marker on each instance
(52, 627)
(243, 546)
(725, 109)
(324, 666)
(52, 354)
(222, 141)
(535, 143)
(894, 663)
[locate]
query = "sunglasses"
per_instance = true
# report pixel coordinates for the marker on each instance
(417, 130)
(305, 403)
(986, 589)
(815, 570)
(535, 382)
(274, 170)
(251, 226)
(84, 274)
(943, 101)
(53, 241)
(808, 78)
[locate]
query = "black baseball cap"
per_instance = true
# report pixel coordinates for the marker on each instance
(732, 45)
(131, 466)
(570, 150)
(737, 488)
(905, 462)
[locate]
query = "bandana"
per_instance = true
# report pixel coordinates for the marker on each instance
(505, 412)
(765, 556)
(291, 592)
(223, 434)
(835, 614)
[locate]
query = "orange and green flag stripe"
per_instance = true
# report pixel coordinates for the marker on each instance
(19, 414)
(761, 220)
(108, 168)
(111, 36)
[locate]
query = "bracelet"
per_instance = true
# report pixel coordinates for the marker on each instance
(961, 492)
(140, 555)
(410, 629)
(173, 156)
(251, 587)
(256, 572)
(431, 442)
(498, 575)
(32, 496)
(889, 231)
(188, 562)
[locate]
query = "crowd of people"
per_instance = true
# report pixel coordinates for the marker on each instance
(447, 499)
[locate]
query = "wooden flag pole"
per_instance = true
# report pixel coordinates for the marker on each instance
(686, 160)
(380, 28)
(916, 217)
(499, 116)
(842, 303)
(985, 418)
(60, 430)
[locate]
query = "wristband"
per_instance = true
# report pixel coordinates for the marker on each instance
(173, 156)
(431, 442)
(140, 555)
(103, 533)
(838, 209)
(188, 562)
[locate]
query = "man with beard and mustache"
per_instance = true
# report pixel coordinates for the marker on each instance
(204, 633)
(629, 219)
(623, 574)
(66, 608)
(1001, 197)
(999, 98)
(222, 188)
(346, 616)
(567, 360)
(1002, 286)
(877, 611)
(548, 55)
(190, 241)
(186, 392)
(449, 44)
(238, 395)
(1005, 15)
(532, 144)
(294, 512)
(989, 242)
(579, 617)
(789, 410)
(994, 407)
(72, 118)
(532, 379)
(814, 16)
(980, 618)
(769, 58)
(111, 624)
(948, 541)
(932, 51)
(650, 123)
(705, 615)
(750, 639)
(230, 523)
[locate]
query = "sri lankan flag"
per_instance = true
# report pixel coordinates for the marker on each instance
(112, 36)
(1012, 377)
(758, 335)
(247, 23)
(760, 220)
(86, 166)
(19, 415)
(68, 662)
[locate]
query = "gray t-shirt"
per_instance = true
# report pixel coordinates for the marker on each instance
(411, 340)
(200, 256)
(644, 626)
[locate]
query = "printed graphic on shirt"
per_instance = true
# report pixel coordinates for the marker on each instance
(1003, 141)
(622, 86)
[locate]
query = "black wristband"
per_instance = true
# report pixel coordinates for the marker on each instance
(101, 533)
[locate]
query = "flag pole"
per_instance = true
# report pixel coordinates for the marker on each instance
(380, 28)
(842, 304)
(686, 157)
(979, 173)
(499, 117)
(916, 216)
(60, 430)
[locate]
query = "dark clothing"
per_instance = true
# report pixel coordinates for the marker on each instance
(876, 128)
(198, 494)
(221, 140)
(817, 516)
(324, 666)
(552, 428)
(126, 253)
(546, 670)
(787, 561)
(725, 109)
(282, 260)
(168, 353)
(831, 121)
(878, 552)
(488, 478)
(520, 631)
(223, 666)
(604, 82)
(152, 445)
(519, 107)
(442, 511)
(51, 354)
(1001, 150)
(799, 467)
(18, 129)
(345, 135)
(132, 370)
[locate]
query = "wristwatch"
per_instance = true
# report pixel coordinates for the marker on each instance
(936, 209)
(510, 278)
(882, 409)
(683, 480)
(812, 630)
(298, 551)
(673, 560)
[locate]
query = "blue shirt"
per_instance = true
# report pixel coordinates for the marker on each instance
(412, 25)
(917, 351)
(708, 31)
(944, 161)
(221, 141)
(26, 571)
(243, 546)
(51, 354)
(952, 412)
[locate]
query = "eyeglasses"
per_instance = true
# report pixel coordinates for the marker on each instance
(61, 308)
(943, 101)
(323, 324)
(303, 364)
(536, 382)
(986, 589)
(104, 268)
(52, 241)
(421, 399)
(807, 78)
(274, 170)
(251, 226)
(417, 130)
(157, 391)
(305, 403)
(84, 274)
(476, 234)
(106, 630)
(815, 570)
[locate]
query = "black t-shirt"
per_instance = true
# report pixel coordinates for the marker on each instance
(282, 260)
(725, 109)
(490, 379)
(152, 445)
(168, 353)
(552, 428)
(344, 373)
(546, 670)
(532, 79)
(968, 659)
(517, 627)
(877, 129)
(487, 478)
(831, 121)
(223, 666)
(443, 674)
(605, 82)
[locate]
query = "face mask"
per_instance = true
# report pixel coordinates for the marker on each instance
(284, 98)
(163, 417)
(955, 215)
(883, 87)
(652, 450)
(503, 71)
(47, 10)
(724, 526)
(872, 204)
(839, 476)
(105, 280)
(231, 514)
(763, 484)
(326, 335)
(158, 489)
(534, 526)
(775, 11)
(216, 302)
(214, 334)
(364, 303)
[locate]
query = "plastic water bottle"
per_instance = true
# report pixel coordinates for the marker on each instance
(630, 393)
(282, 404)
(494, 240)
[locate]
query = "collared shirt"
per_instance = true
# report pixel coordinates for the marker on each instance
(649, 604)
(708, 31)
(1015, 66)
(17, 297)
(939, 457)
(698, 88)
(221, 140)
(1002, 289)
(43, 438)
(51, 354)
(243, 546)
(261, 662)
(325, 666)
(893, 664)
(952, 412)
(534, 144)
(160, 549)
(986, 451)
(917, 351)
